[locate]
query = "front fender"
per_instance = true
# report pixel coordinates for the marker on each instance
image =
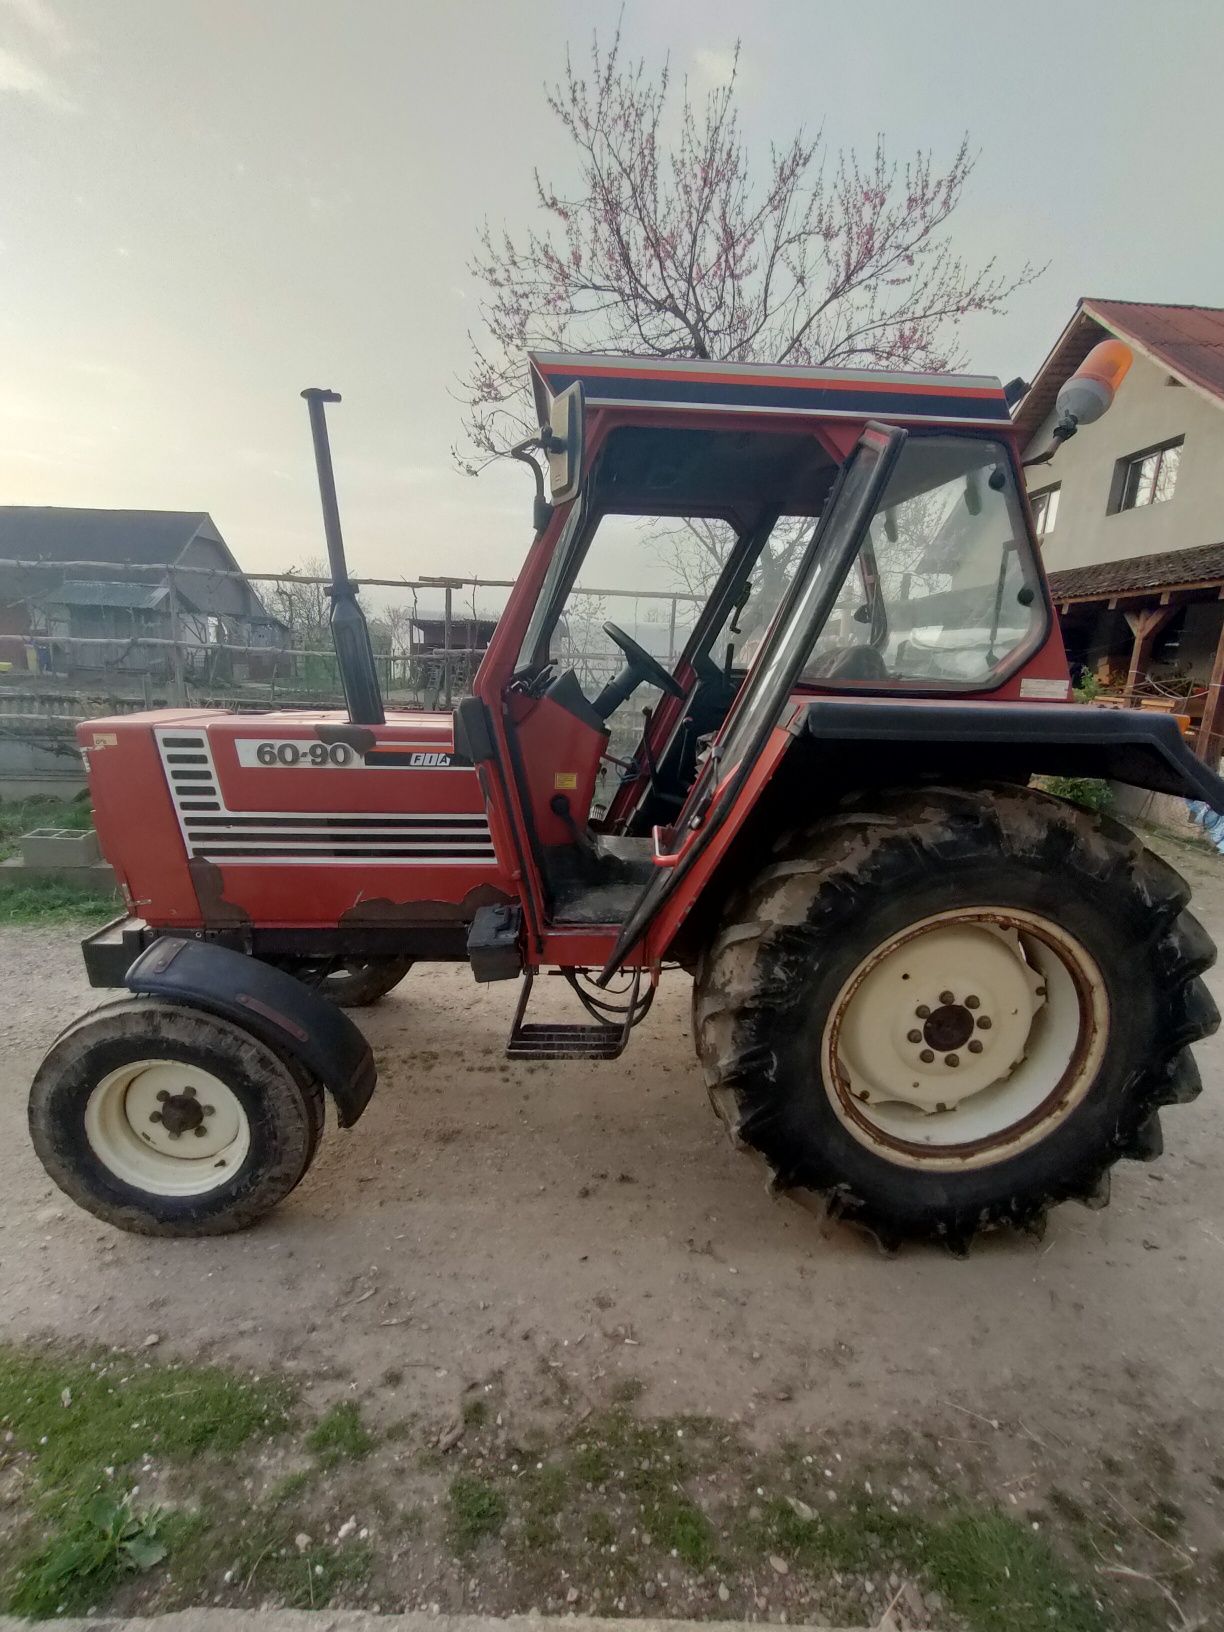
(1143, 748)
(273, 1006)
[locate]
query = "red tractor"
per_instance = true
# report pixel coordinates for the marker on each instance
(921, 987)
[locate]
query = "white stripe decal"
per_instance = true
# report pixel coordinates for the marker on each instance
(212, 831)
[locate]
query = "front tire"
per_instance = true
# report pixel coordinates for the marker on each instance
(165, 1120)
(947, 1009)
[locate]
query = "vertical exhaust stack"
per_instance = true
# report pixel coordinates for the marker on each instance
(350, 636)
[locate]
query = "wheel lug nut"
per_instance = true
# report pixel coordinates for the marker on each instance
(975, 1047)
(973, 1002)
(947, 997)
(984, 1022)
(951, 1059)
(190, 1093)
(210, 1110)
(927, 1056)
(914, 1036)
(155, 1116)
(162, 1095)
(200, 1131)
(922, 1011)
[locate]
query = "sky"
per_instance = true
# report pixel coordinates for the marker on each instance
(207, 205)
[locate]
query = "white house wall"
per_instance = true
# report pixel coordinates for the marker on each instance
(1146, 412)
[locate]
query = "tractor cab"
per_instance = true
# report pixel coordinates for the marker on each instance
(848, 535)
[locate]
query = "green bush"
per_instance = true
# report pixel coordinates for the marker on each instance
(1089, 792)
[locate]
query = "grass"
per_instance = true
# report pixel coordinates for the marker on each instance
(86, 1557)
(54, 901)
(476, 1510)
(21, 816)
(626, 1515)
(77, 1426)
(340, 1436)
(118, 1410)
(267, 1557)
(995, 1573)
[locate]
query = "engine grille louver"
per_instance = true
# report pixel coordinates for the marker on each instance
(212, 832)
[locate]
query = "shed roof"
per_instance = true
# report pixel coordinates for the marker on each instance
(127, 537)
(96, 592)
(1174, 569)
(1188, 341)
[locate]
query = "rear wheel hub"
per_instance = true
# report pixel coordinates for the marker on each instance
(964, 1036)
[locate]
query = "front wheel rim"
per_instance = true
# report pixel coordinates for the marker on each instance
(965, 1038)
(167, 1128)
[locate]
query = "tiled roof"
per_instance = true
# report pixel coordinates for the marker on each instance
(1203, 564)
(1187, 340)
(1190, 339)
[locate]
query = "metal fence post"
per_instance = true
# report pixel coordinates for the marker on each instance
(178, 678)
(446, 643)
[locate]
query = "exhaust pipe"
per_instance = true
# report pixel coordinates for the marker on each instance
(349, 632)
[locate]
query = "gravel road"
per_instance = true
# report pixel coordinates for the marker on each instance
(568, 1227)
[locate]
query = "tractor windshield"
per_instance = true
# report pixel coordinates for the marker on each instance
(947, 591)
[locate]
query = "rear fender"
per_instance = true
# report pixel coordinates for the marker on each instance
(1007, 740)
(271, 1005)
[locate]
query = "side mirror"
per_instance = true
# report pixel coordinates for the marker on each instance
(562, 440)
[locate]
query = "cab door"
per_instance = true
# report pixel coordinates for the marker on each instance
(718, 800)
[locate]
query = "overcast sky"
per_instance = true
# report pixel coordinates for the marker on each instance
(208, 204)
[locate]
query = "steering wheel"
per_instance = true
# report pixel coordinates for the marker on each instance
(640, 669)
(647, 669)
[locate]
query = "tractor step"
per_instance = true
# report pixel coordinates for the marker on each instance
(563, 1040)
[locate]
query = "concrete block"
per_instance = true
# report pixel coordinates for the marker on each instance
(52, 847)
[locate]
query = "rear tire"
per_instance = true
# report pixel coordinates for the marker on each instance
(824, 1050)
(165, 1120)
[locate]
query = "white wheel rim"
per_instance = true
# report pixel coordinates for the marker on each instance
(167, 1128)
(965, 1038)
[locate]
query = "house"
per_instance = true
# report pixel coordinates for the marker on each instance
(1131, 512)
(81, 591)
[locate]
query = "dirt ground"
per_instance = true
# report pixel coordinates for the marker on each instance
(567, 1229)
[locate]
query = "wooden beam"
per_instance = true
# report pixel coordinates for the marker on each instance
(1145, 625)
(1210, 739)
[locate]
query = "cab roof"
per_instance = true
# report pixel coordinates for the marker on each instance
(769, 388)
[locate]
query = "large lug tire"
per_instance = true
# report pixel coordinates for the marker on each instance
(349, 983)
(165, 1120)
(843, 1014)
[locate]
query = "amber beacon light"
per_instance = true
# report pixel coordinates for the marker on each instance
(1090, 391)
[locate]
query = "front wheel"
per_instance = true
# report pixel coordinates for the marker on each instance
(949, 1008)
(165, 1120)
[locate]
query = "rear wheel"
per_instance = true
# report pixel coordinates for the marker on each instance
(350, 983)
(949, 1008)
(165, 1120)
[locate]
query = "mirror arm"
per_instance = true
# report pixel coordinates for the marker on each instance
(1063, 432)
(541, 510)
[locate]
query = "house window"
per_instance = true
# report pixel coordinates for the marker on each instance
(1149, 478)
(1045, 509)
